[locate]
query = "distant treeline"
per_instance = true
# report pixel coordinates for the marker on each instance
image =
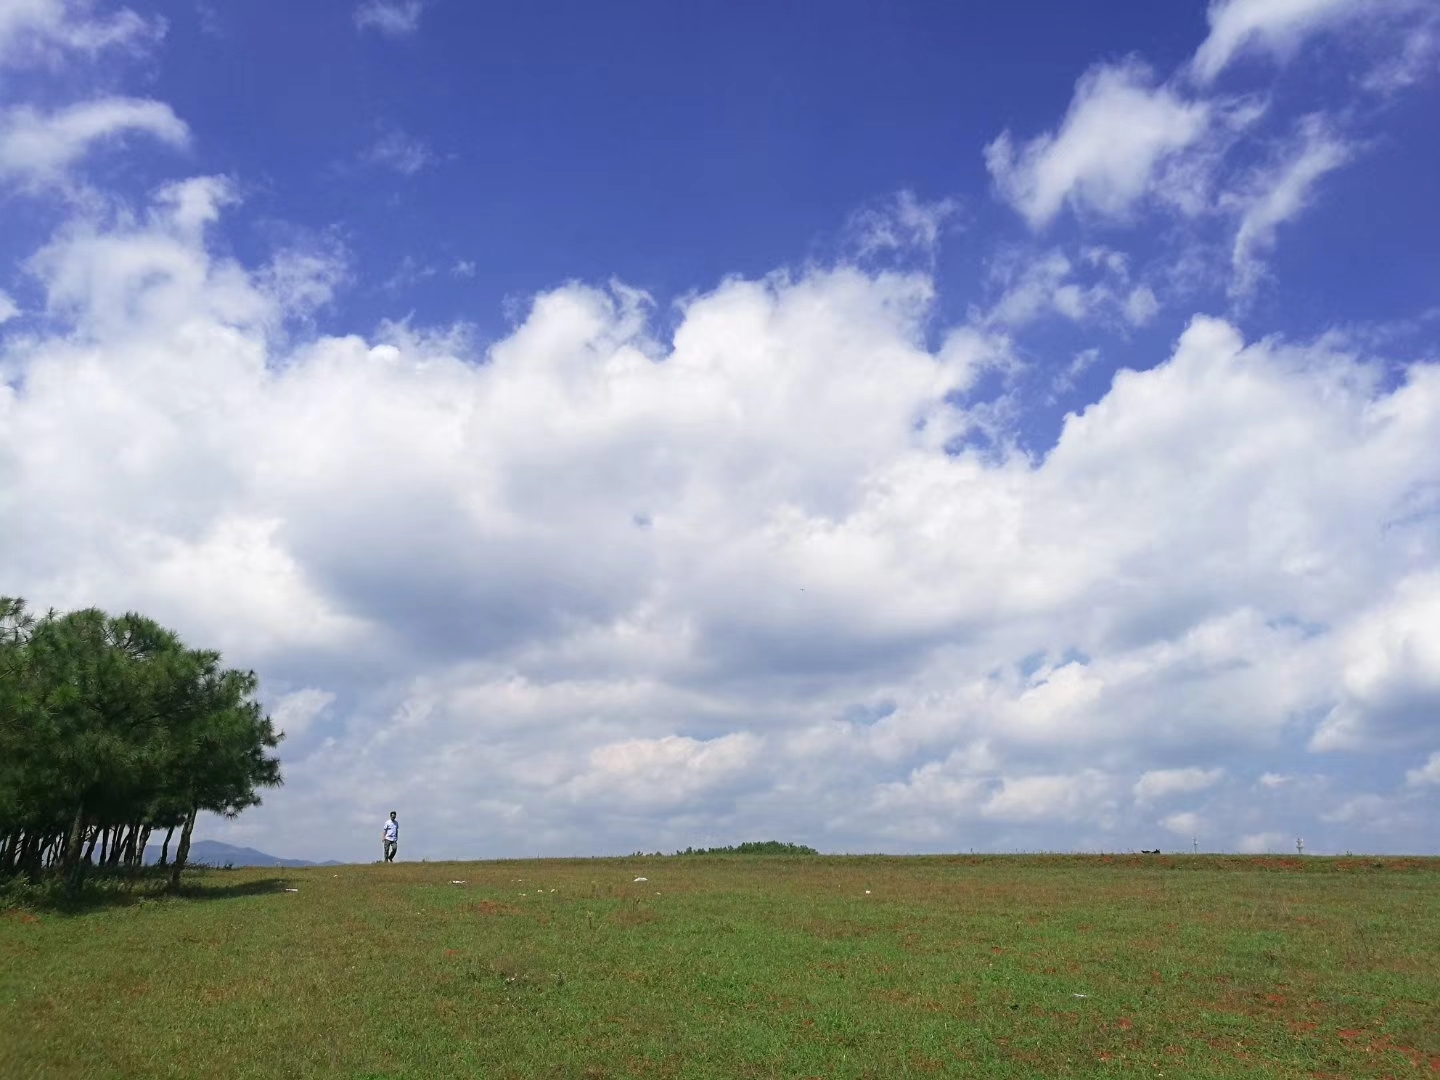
(753, 847)
(110, 728)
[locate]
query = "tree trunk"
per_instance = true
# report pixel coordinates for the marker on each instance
(143, 843)
(104, 844)
(30, 857)
(70, 863)
(116, 846)
(12, 852)
(127, 853)
(165, 847)
(90, 847)
(183, 851)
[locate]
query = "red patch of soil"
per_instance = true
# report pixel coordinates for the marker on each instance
(490, 907)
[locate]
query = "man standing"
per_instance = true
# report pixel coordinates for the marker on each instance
(392, 837)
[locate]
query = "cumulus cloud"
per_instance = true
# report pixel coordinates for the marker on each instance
(1429, 773)
(1161, 783)
(1184, 823)
(296, 711)
(37, 148)
(1264, 843)
(1391, 673)
(746, 568)
(620, 592)
(671, 770)
(393, 18)
(1119, 130)
(1035, 798)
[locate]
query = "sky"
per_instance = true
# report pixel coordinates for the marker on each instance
(896, 427)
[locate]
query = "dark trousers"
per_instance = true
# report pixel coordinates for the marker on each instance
(390, 846)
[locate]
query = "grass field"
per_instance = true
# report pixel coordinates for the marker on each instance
(742, 967)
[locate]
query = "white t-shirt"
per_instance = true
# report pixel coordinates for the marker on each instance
(392, 830)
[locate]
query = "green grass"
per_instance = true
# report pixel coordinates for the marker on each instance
(1185, 967)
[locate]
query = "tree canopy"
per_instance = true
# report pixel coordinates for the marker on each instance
(110, 728)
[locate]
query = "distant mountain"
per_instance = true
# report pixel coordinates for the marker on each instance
(214, 853)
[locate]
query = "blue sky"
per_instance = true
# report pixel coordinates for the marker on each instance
(885, 426)
(669, 147)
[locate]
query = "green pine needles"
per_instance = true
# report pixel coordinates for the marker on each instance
(110, 728)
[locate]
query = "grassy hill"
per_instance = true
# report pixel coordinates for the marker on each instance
(742, 966)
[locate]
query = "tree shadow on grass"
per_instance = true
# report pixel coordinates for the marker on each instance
(151, 885)
(229, 892)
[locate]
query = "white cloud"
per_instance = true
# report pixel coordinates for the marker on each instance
(133, 278)
(1265, 843)
(663, 772)
(580, 590)
(8, 308)
(1049, 283)
(1429, 773)
(1079, 364)
(1277, 195)
(303, 278)
(410, 273)
(902, 224)
(1391, 670)
(37, 148)
(40, 31)
(1185, 823)
(1417, 58)
(1277, 26)
(618, 580)
(1161, 783)
(1119, 130)
(242, 570)
(403, 153)
(394, 18)
(1036, 287)
(1400, 36)
(956, 788)
(1141, 307)
(1036, 798)
(1371, 810)
(296, 711)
